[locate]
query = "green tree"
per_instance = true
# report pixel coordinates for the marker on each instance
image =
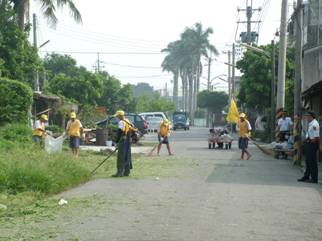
(48, 8)
(184, 60)
(15, 101)
(255, 89)
(85, 87)
(214, 101)
(154, 103)
(18, 59)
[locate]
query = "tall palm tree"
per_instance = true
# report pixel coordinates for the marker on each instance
(48, 8)
(170, 64)
(197, 40)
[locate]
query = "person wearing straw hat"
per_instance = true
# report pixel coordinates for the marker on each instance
(311, 147)
(39, 132)
(74, 130)
(123, 140)
(244, 129)
(163, 136)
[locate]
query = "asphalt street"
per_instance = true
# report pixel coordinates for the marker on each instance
(215, 196)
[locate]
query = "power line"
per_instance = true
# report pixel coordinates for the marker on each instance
(133, 66)
(103, 53)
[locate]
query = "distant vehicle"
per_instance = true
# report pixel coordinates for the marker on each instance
(154, 123)
(137, 120)
(180, 121)
(145, 115)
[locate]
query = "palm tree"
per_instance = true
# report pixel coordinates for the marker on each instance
(197, 40)
(170, 64)
(48, 8)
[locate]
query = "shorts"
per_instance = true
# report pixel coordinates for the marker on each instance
(243, 143)
(163, 140)
(37, 139)
(74, 142)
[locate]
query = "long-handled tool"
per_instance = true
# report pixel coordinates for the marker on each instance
(104, 161)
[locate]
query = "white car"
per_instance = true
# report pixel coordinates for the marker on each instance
(145, 115)
(154, 123)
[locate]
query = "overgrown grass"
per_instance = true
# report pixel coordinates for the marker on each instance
(29, 176)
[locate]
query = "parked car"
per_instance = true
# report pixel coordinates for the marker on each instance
(145, 115)
(181, 121)
(154, 123)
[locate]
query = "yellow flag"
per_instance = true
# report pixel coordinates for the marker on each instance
(233, 114)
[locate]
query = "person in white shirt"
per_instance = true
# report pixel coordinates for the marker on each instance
(311, 148)
(285, 125)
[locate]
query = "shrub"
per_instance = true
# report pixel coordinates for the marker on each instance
(15, 101)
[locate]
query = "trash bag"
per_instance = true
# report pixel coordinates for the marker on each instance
(54, 145)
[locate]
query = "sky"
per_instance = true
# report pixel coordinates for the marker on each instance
(129, 35)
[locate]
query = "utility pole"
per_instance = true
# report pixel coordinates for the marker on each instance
(298, 81)
(249, 14)
(229, 75)
(36, 74)
(233, 71)
(273, 87)
(98, 63)
(209, 88)
(298, 58)
(280, 103)
(209, 73)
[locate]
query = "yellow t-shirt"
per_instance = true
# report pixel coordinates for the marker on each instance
(244, 128)
(164, 129)
(74, 128)
(39, 129)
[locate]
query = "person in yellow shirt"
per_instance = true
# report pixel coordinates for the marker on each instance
(163, 136)
(74, 130)
(123, 140)
(244, 129)
(38, 132)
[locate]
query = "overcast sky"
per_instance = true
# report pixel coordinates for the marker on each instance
(147, 26)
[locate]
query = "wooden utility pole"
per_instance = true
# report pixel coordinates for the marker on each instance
(280, 103)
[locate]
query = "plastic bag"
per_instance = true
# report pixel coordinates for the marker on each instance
(54, 145)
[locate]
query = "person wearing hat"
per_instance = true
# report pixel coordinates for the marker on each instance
(311, 147)
(39, 132)
(123, 140)
(74, 129)
(163, 136)
(244, 129)
(284, 125)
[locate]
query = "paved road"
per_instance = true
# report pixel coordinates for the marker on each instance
(217, 197)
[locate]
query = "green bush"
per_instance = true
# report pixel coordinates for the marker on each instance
(15, 101)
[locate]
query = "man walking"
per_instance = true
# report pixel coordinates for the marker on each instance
(163, 136)
(38, 132)
(74, 129)
(123, 140)
(244, 129)
(311, 147)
